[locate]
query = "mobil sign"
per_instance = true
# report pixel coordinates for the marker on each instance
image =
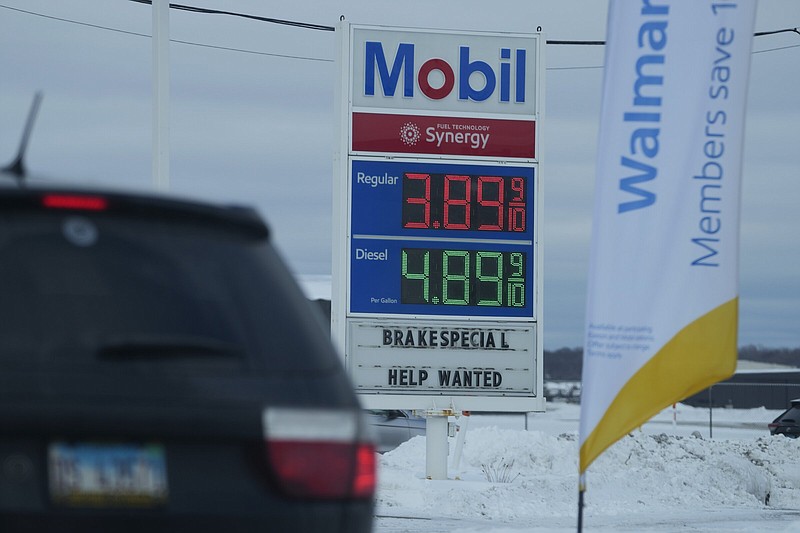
(376, 66)
(445, 71)
(444, 93)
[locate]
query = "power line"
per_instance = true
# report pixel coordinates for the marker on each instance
(190, 43)
(778, 48)
(310, 26)
(74, 21)
(577, 43)
(773, 32)
(577, 67)
(256, 52)
(593, 67)
(602, 43)
(305, 25)
(206, 11)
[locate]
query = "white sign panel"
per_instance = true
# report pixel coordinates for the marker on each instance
(443, 357)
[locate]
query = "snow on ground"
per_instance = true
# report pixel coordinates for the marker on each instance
(666, 476)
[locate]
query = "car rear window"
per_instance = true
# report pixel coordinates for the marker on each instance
(792, 414)
(83, 287)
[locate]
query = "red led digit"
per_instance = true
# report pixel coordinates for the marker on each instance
(452, 206)
(516, 207)
(424, 201)
(516, 218)
(497, 203)
(518, 186)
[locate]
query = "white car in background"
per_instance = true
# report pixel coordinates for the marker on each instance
(394, 426)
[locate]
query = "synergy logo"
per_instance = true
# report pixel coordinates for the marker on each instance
(474, 136)
(476, 80)
(440, 135)
(409, 134)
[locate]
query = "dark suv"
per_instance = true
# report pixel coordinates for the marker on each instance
(788, 423)
(160, 370)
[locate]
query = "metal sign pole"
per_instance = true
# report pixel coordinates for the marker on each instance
(436, 445)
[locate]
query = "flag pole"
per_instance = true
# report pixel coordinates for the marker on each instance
(581, 491)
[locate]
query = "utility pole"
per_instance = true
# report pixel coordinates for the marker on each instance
(161, 94)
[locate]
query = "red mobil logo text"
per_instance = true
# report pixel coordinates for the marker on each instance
(417, 134)
(471, 79)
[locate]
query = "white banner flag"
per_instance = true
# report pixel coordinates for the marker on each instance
(662, 309)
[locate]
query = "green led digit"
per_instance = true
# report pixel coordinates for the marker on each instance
(423, 276)
(516, 261)
(516, 283)
(449, 277)
(516, 292)
(497, 279)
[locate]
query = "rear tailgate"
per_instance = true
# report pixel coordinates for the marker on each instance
(160, 460)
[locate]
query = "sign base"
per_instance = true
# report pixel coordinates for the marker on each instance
(510, 404)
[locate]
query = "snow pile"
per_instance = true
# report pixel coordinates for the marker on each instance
(682, 472)
(642, 473)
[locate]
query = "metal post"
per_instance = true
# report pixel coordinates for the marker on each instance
(674, 418)
(460, 438)
(581, 491)
(710, 413)
(161, 94)
(436, 445)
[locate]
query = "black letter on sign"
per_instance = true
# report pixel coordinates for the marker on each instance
(497, 379)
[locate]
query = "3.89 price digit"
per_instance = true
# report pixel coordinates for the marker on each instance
(464, 202)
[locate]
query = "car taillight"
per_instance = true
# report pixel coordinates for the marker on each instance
(75, 201)
(319, 453)
(772, 425)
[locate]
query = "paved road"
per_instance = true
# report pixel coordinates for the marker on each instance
(728, 521)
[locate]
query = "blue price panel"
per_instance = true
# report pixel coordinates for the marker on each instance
(390, 276)
(439, 200)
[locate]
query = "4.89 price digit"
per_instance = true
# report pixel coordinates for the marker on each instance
(462, 277)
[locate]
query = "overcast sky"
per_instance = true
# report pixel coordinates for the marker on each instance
(255, 125)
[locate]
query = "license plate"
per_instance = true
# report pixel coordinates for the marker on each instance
(107, 475)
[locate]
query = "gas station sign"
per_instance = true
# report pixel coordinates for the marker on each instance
(436, 271)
